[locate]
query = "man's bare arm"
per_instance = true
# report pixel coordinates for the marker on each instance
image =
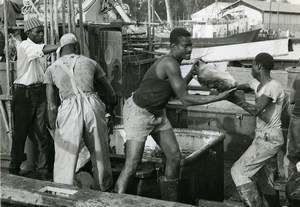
(50, 48)
(254, 109)
(245, 87)
(179, 86)
(52, 105)
(110, 94)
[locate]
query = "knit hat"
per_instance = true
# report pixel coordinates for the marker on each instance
(32, 23)
(66, 39)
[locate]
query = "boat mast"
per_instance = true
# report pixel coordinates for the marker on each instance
(169, 16)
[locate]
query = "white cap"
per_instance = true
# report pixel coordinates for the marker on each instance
(66, 39)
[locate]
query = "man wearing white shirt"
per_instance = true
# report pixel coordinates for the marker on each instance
(29, 99)
(260, 158)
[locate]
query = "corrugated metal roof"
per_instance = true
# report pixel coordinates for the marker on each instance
(265, 6)
(216, 6)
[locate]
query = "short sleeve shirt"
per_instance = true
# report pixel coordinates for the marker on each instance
(85, 71)
(273, 90)
(30, 63)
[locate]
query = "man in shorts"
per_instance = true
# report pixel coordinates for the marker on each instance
(144, 113)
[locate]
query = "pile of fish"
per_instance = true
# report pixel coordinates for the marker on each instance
(214, 78)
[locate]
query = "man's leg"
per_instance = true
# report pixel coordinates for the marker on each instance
(264, 147)
(265, 179)
(134, 154)
(167, 141)
(96, 139)
(23, 111)
(169, 183)
(67, 140)
(39, 136)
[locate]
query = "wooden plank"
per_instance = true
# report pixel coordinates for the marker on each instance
(26, 191)
(204, 203)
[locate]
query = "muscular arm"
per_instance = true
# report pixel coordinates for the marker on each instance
(179, 86)
(52, 104)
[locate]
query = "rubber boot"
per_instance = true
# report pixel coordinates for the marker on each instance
(249, 195)
(168, 189)
(271, 200)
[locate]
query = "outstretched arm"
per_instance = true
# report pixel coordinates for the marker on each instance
(244, 87)
(179, 86)
(50, 48)
(52, 105)
(262, 102)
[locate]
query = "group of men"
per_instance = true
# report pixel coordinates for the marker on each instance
(81, 114)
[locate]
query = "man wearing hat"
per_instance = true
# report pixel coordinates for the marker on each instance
(80, 115)
(29, 100)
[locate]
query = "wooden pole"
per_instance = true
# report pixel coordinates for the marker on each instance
(45, 22)
(6, 49)
(56, 31)
(8, 93)
(169, 16)
(149, 23)
(73, 16)
(45, 27)
(51, 28)
(69, 16)
(81, 28)
(270, 15)
(63, 16)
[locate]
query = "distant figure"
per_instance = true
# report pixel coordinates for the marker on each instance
(145, 114)
(29, 100)
(80, 115)
(261, 154)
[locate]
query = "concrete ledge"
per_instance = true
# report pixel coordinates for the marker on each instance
(21, 190)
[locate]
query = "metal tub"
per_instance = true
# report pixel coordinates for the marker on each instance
(201, 168)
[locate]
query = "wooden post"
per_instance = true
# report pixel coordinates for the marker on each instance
(51, 28)
(81, 28)
(69, 16)
(270, 15)
(63, 16)
(45, 28)
(73, 16)
(56, 31)
(149, 25)
(169, 16)
(6, 48)
(8, 93)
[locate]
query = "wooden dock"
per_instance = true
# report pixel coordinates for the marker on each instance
(21, 191)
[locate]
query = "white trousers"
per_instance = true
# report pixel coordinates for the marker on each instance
(265, 146)
(82, 117)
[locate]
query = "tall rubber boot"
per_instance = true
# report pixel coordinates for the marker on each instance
(271, 200)
(249, 195)
(168, 189)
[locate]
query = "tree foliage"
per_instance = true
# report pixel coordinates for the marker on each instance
(180, 9)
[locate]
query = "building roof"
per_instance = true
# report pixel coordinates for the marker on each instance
(211, 10)
(265, 6)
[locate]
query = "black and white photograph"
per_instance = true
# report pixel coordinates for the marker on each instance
(150, 103)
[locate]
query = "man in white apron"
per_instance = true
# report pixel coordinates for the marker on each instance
(80, 115)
